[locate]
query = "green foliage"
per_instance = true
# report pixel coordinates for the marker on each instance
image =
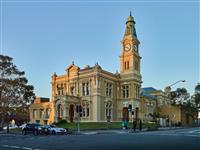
(152, 126)
(197, 88)
(197, 100)
(103, 125)
(61, 122)
(180, 96)
(197, 95)
(189, 104)
(15, 93)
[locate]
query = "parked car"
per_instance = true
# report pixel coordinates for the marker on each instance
(35, 129)
(54, 130)
(10, 127)
(23, 125)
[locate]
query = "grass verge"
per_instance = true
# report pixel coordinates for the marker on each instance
(103, 125)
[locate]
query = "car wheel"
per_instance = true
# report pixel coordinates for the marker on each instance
(54, 132)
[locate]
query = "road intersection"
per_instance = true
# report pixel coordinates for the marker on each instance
(185, 138)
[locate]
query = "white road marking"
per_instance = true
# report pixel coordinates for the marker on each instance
(27, 148)
(18, 147)
(90, 133)
(14, 146)
(5, 145)
(176, 135)
(194, 131)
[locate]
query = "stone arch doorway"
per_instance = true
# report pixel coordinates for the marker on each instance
(125, 114)
(71, 112)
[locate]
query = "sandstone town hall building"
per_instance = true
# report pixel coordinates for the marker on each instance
(101, 93)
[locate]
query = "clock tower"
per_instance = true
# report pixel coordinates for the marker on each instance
(130, 59)
(130, 77)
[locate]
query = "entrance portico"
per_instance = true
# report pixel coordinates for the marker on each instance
(65, 107)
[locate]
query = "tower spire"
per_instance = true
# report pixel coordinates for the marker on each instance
(130, 27)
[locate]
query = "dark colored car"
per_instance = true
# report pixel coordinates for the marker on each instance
(35, 129)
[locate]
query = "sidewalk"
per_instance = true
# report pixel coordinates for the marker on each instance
(121, 131)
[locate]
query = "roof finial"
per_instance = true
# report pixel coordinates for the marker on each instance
(72, 62)
(130, 13)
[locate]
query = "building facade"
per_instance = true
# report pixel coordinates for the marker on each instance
(103, 95)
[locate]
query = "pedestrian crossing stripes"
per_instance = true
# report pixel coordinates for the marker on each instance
(18, 147)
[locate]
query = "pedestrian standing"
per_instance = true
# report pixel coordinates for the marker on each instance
(134, 124)
(140, 125)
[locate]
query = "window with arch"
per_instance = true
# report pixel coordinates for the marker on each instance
(86, 109)
(125, 91)
(85, 89)
(109, 89)
(72, 90)
(47, 114)
(60, 111)
(127, 64)
(60, 88)
(108, 109)
(137, 91)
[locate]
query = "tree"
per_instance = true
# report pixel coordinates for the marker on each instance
(21, 115)
(15, 93)
(197, 96)
(180, 96)
(187, 103)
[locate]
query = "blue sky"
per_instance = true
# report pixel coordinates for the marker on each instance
(45, 37)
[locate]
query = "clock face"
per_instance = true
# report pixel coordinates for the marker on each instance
(127, 47)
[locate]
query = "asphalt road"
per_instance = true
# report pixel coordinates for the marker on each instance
(183, 139)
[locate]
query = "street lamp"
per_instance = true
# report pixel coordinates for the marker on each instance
(168, 90)
(176, 82)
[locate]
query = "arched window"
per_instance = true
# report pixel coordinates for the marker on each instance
(108, 109)
(86, 109)
(125, 65)
(47, 112)
(60, 111)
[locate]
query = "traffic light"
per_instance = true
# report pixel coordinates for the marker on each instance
(129, 107)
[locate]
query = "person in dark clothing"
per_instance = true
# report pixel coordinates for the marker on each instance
(134, 124)
(140, 125)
